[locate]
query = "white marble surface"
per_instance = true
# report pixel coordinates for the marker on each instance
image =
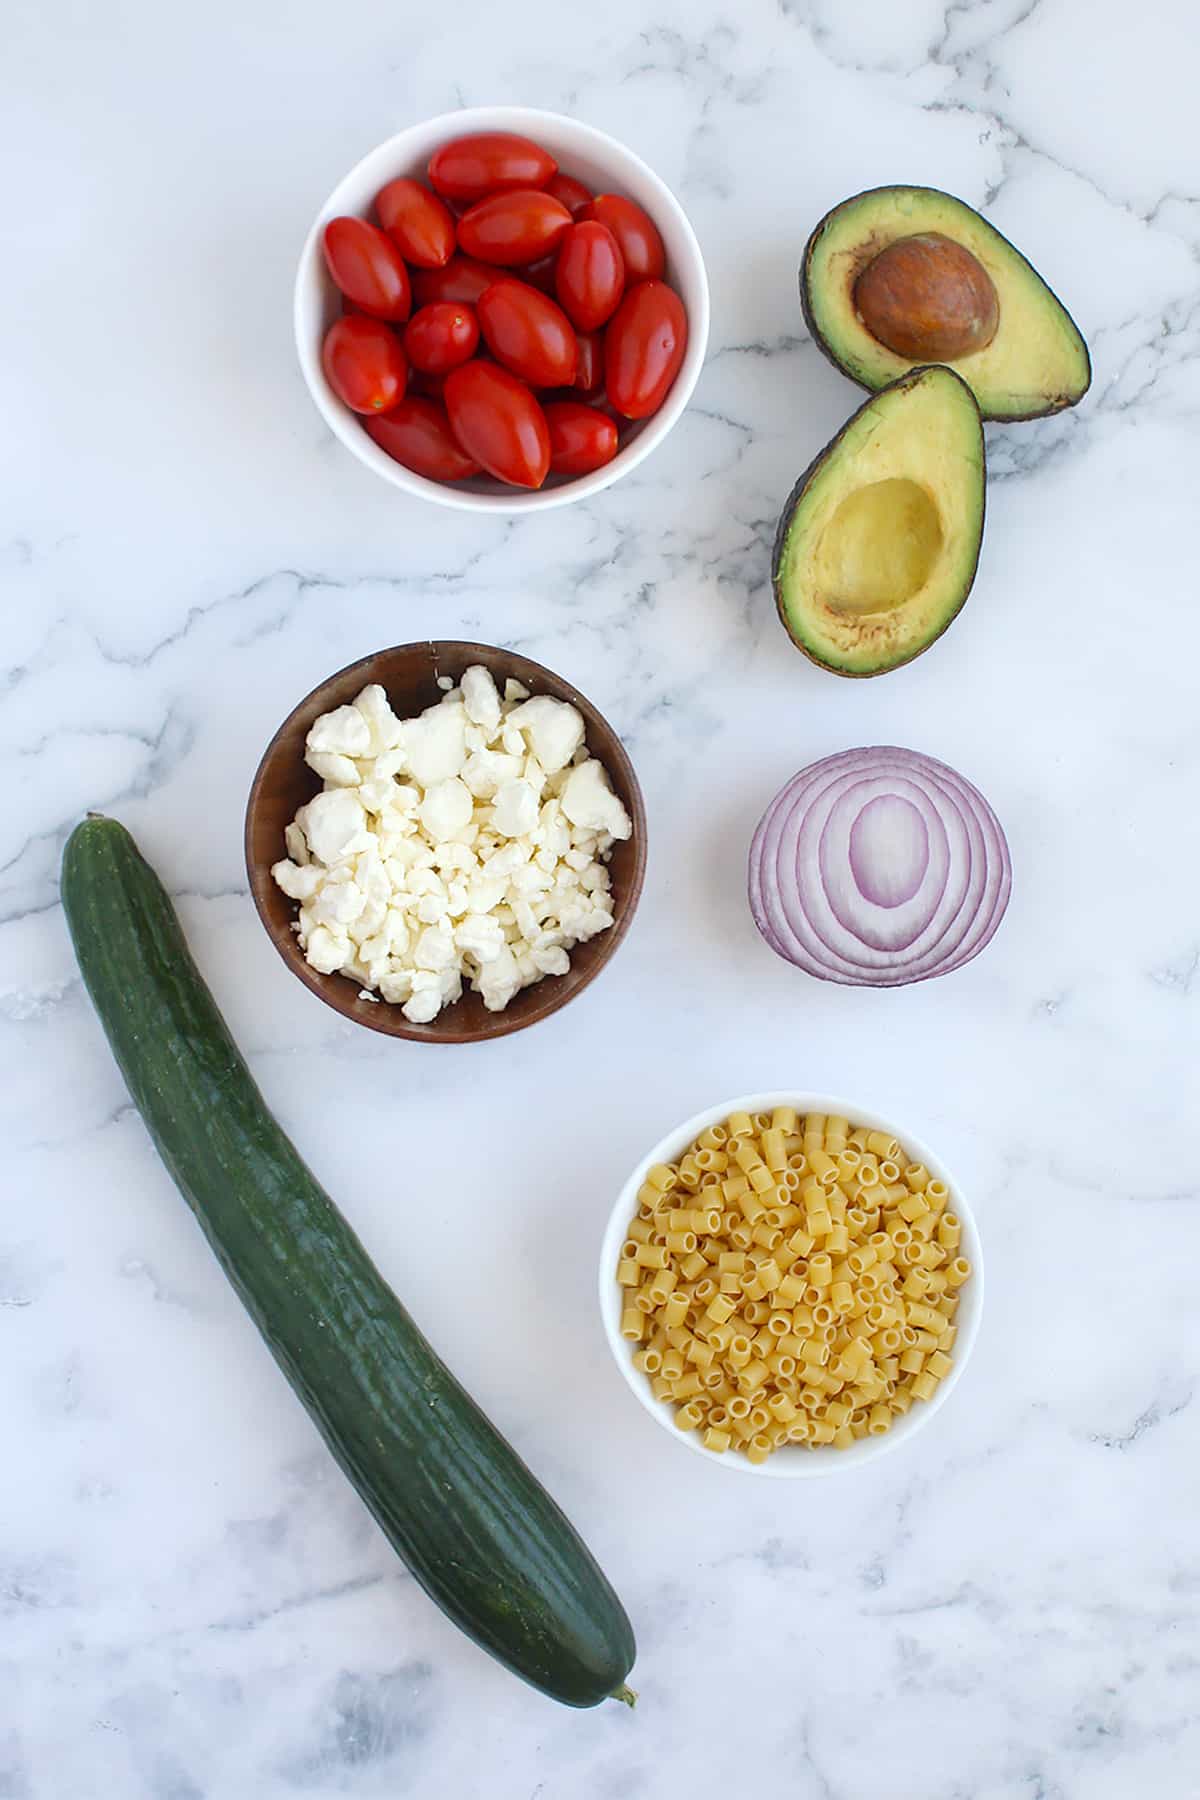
(193, 1605)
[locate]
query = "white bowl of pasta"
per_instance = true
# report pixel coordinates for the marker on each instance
(790, 1284)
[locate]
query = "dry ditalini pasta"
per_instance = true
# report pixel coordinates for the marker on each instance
(791, 1281)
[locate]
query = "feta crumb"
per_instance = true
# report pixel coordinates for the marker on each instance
(554, 729)
(396, 985)
(344, 732)
(486, 771)
(332, 767)
(335, 825)
(297, 883)
(588, 801)
(324, 951)
(499, 980)
(434, 949)
(382, 724)
(480, 698)
(436, 744)
(446, 808)
(515, 810)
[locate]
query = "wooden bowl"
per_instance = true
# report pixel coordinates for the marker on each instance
(409, 675)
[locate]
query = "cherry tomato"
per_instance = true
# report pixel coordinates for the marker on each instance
(364, 363)
(635, 232)
(368, 268)
(497, 421)
(589, 361)
(489, 162)
(418, 223)
(417, 433)
(440, 336)
(572, 193)
(513, 228)
(643, 348)
(462, 279)
(528, 333)
(539, 274)
(581, 439)
(589, 277)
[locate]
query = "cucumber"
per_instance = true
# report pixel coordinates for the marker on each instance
(478, 1531)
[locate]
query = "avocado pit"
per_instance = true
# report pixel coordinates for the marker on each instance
(928, 298)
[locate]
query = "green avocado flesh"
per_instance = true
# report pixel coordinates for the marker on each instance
(1037, 362)
(877, 546)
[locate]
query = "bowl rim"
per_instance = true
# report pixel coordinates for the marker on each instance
(790, 1462)
(345, 425)
(388, 1021)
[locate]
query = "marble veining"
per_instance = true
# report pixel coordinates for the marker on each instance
(193, 1604)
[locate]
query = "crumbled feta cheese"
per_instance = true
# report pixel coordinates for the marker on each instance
(383, 725)
(396, 985)
(434, 949)
(480, 937)
(332, 767)
(393, 761)
(344, 732)
(480, 698)
(446, 808)
(509, 859)
(375, 793)
(335, 825)
(588, 801)
(499, 979)
(486, 771)
(424, 1005)
(554, 729)
(515, 809)
(485, 863)
(324, 951)
(436, 744)
(338, 904)
(297, 883)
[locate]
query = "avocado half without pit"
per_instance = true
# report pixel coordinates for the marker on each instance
(878, 543)
(907, 275)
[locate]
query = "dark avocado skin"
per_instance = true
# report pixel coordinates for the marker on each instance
(1054, 403)
(796, 496)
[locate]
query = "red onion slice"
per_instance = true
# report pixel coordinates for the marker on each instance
(878, 867)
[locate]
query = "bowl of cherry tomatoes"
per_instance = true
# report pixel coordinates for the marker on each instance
(501, 310)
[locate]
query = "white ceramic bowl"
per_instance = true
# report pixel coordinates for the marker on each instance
(592, 156)
(791, 1460)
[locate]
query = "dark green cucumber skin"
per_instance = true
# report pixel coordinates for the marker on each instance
(478, 1531)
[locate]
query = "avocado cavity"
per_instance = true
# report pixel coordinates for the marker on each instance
(879, 547)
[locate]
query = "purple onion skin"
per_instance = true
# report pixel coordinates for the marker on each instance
(878, 895)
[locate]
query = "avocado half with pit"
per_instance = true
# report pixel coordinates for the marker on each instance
(901, 276)
(878, 543)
